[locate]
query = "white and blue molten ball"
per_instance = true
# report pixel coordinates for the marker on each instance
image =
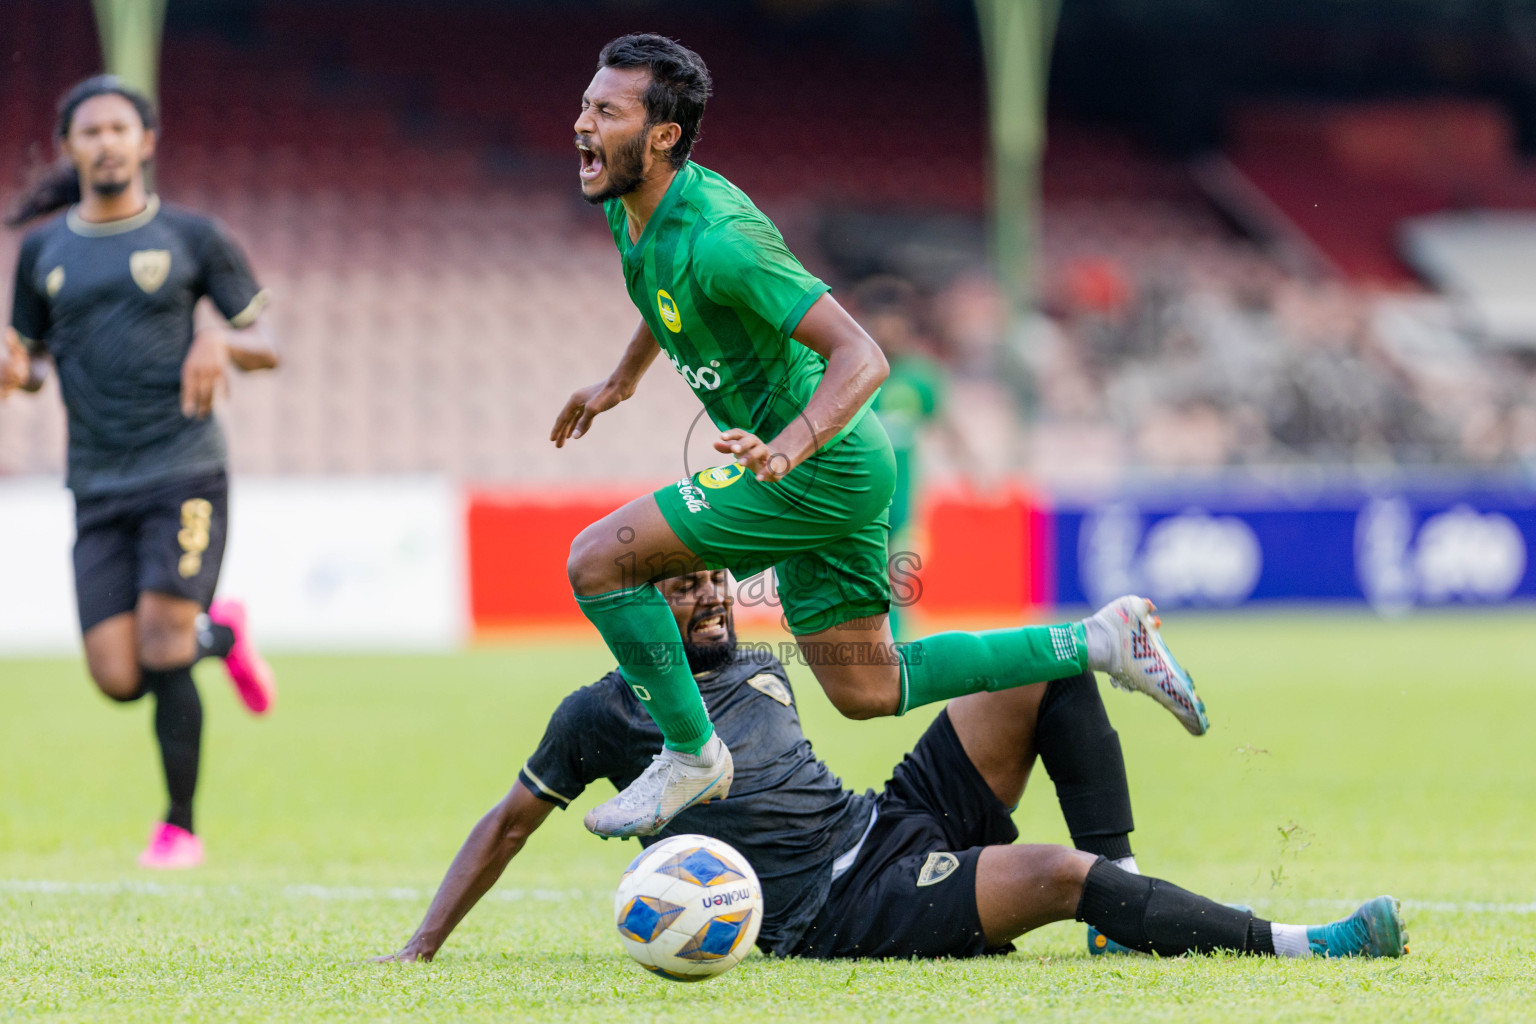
(689, 908)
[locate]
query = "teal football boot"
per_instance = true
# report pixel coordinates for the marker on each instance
(1376, 929)
(1100, 944)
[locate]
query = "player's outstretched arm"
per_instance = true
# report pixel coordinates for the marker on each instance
(495, 840)
(576, 418)
(19, 369)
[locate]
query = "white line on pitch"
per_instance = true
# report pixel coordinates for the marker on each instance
(312, 892)
(1443, 906)
(543, 895)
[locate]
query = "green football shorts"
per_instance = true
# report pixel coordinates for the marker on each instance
(823, 528)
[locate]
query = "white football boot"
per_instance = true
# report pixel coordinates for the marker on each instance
(673, 783)
(1140, 661)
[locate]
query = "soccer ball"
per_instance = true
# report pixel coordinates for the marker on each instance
(688, 908)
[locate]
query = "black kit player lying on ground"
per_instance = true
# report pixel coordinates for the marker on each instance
(106, 294)
(928, 867)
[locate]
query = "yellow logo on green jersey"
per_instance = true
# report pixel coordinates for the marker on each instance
(721, 476)
(668, 310)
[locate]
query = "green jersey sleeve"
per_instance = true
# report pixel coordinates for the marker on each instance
(748, 266)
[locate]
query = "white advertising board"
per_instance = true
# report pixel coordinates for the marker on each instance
(37, 581)
(330, 564)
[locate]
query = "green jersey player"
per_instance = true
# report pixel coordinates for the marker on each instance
(788, 377)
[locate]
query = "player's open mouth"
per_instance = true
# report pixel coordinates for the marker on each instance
(709, 629)
(591, 162)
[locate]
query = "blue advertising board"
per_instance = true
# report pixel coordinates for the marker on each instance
(1392, 549)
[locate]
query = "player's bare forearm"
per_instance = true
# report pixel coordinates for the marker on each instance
(639, 354)
(20, 370)
(37, 375)
(855, 370)
(491, 845)
(252, 348)
(575, 418)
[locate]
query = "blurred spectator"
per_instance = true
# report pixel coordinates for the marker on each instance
(1204, 367)
(913, 399)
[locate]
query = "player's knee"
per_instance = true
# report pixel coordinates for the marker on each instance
(164, 644)
(111, 657)
(1066, 868)
(586, 568)
(1054, 873)
(119, 681)
(862, 704)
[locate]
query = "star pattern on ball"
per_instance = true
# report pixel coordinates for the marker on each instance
(718, 938)
(700, 867)
(646, 917)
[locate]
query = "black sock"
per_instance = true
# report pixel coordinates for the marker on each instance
(1081, 753)
(213, 639)
(1261, 938)
(179, 728)
(1154, 916)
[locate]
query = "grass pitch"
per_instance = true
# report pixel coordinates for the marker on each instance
(1348, 757)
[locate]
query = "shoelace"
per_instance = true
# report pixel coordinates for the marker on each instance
(630, 798)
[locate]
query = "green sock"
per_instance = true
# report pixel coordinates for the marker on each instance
(949, 665)
(638, 627)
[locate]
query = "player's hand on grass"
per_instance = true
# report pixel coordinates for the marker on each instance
(15, 364)
(410, 954)
(754, 455)
(576, 418)
(203, 374)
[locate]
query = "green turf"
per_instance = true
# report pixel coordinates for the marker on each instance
(1348, 757)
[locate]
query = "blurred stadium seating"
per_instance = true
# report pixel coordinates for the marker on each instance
(440, 288)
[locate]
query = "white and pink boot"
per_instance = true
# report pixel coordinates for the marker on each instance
(170, 848)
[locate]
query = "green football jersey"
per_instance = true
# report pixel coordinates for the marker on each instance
(722, 294)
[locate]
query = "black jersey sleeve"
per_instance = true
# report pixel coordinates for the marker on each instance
(588, 738)
(29, 307)
(227, 279)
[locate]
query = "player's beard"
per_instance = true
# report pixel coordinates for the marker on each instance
(110, 189)
(626, 170)
(712, 656)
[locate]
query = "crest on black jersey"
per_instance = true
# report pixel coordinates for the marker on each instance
(772, 685)
(150, 268)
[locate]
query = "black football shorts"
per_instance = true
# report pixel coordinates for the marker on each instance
(167, 538)
(912, 890)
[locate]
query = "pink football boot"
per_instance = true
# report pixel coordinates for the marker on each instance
(171, 847)
(248, 670)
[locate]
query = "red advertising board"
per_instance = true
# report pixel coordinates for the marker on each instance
(982, 556)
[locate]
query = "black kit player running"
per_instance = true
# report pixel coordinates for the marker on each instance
(106, 295)
(926, 868)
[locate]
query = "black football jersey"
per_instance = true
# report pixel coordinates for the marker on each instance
(112, 305)
(787, 813)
